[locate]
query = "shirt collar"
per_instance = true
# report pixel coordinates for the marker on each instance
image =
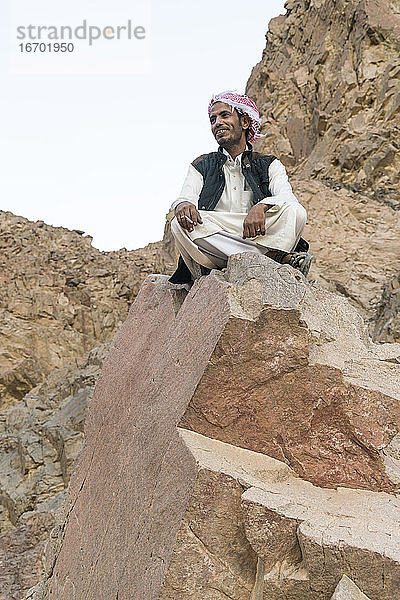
(237, 160)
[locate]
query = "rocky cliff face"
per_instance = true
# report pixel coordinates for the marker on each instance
(328, 89)
(242, 442)
(328, 86)
(59, 297)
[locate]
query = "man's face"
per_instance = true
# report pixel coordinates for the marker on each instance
(226, 126)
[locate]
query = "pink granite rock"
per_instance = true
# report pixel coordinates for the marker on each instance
(256, 357)
(282, 380)
(133, 479)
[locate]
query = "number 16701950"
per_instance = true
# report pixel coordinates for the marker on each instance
(50, 47)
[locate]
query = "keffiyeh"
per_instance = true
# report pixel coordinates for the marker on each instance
(244, 105)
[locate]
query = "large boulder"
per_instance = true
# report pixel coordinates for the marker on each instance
(295, 376)
(274, 384)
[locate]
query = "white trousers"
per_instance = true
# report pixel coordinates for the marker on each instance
(282, 232)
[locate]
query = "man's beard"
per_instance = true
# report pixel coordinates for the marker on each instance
(229, 141)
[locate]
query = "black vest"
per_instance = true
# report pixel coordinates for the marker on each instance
(254, 168)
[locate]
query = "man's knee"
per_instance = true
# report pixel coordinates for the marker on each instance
(301, 215)
(175, 227)
(298, 212)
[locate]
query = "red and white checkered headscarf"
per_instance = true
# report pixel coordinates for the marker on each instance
(244, 105)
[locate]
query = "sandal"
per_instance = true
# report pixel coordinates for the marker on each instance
(300, 261)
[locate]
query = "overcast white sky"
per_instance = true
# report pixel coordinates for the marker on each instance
(107, 152)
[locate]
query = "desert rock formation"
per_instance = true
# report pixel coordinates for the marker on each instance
(61, 301)
(282, 474)
(59, 298)
(328, 89)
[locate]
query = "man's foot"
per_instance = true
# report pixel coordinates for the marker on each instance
(297, 260)
(301, 261)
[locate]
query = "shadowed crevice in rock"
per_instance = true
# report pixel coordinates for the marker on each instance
(387, 323)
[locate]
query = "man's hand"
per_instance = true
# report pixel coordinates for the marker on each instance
(187, 215)
(254, 223)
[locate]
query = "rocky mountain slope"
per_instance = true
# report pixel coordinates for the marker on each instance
(59, 297)
(328, 87)
(61, 302)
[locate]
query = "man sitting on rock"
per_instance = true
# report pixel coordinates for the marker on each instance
(236, 200)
